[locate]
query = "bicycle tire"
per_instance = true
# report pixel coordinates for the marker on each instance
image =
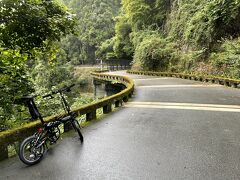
(22, 156)
(76, 126)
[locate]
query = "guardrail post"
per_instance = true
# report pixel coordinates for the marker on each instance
(3, 152)
(125, 99)
(226, 83)
(107, 109)
(130, 95)
(216, 81)
(117, 103)
(91, 116)
(234, 85)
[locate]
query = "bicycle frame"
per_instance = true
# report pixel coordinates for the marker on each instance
(65, 104)
(29, 100)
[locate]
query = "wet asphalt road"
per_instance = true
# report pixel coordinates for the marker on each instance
(171, 129)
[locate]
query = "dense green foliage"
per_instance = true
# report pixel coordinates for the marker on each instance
(32, 24)
(41, 42)
(13, 82)
(95, 25)
(154, 52)
(179, 35)
(226, 59)
(28, 31)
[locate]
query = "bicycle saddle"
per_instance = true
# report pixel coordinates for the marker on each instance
(29, 102)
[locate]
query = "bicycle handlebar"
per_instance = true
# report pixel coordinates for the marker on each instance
(64, 89)
(48, 95)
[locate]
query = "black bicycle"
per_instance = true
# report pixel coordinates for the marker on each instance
(32, 149)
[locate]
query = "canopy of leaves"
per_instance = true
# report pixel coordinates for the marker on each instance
(95, 25)
(143, 13)
(203, 23)
(137, 15)
(28, 28)
(29, 24)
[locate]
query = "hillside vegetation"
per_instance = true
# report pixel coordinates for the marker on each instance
(200, 36)
(41, 42)
(95, 24)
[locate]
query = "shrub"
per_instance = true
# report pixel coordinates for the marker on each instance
(154, 53)
(227, 58)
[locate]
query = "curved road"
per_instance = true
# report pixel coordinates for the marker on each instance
(171, 129)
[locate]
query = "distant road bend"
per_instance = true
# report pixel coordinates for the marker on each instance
(171, 129)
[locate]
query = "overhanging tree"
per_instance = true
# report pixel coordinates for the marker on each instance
(27, 29)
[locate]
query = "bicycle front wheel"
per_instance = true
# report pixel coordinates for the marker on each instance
(76, 126)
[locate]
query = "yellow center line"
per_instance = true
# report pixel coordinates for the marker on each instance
(179, 86)
(184, 106)
(153, 79)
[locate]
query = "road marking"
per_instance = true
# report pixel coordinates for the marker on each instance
(185, 106)
(153, 79)
(179, 86)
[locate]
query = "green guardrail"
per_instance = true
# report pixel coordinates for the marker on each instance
(16, 135)
(213, 79)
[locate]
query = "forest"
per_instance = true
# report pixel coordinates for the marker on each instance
(42, 42)
(179, 36)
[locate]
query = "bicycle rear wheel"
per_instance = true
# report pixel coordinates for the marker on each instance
(30, 153)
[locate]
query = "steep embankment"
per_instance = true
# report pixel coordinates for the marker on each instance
(180, 36)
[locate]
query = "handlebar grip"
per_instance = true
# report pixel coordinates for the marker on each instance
(71, 85)
(66, 89)
(48, 95)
